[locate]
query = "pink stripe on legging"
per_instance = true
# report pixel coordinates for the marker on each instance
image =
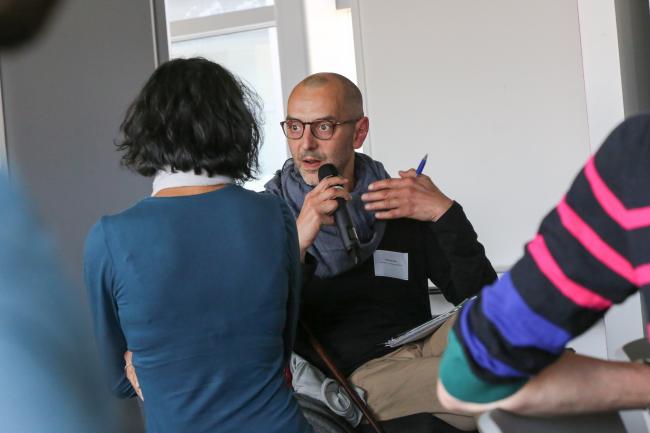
(575, 292)
(629, 219)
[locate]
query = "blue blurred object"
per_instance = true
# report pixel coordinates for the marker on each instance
(49, 380)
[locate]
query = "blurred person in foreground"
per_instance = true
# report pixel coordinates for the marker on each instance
(47, 365)
(592, 251)
(199, 282)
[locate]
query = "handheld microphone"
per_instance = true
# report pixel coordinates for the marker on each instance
(344, 223)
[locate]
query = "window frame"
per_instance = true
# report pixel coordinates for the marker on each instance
(4, 162)
(287, 16)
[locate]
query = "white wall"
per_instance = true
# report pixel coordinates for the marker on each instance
(493, 91)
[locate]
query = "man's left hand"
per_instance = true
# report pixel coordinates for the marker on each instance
(410, 196)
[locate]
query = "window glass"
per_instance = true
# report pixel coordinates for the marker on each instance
(253, 57)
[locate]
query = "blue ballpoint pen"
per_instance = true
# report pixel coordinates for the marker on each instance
(421, 166)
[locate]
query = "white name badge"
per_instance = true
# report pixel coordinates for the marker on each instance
(391, 264)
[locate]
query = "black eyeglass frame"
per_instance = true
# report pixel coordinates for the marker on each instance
(334, 125)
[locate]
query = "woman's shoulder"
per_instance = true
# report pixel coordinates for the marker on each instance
(266, 210)
(105, 223)
(261, 199)
(95, 244)
(233, 199)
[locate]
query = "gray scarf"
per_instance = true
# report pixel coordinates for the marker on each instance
(328, 248)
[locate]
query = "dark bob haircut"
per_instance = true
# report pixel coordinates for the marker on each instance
(193, 115)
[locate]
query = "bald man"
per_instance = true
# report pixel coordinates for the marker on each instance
(410, 232)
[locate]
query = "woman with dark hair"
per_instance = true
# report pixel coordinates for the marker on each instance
(200, 281)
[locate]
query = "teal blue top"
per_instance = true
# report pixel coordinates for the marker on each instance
(204, 291)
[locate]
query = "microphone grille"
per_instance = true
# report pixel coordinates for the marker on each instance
(327, 170)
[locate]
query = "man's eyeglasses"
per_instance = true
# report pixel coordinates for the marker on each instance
(322, 129)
